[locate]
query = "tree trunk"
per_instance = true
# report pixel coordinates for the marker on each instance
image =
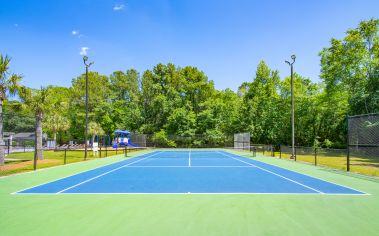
(2, 160)
(38, 144)
(55, 138)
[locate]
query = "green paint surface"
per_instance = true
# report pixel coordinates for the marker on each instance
(188, 214)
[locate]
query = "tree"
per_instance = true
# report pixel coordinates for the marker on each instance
(161, 139)
(94, 129)
(307, 110)
(124, 110)
(56, 117)
(261, 112)
(9, 84)
(56, 123)
(352, 64)
(18, 120)
(36, 100)
(99, 96)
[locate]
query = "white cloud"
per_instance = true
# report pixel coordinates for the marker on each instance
(15, 25)
(83, 51)
(74, 32)
(118, 7)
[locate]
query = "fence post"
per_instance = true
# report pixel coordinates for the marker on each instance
(315, 156)
(116, 150)
(24, 146)
(295, 154)
(348, 145)
(280, 151)
(65, 156)
(273, 150)
(106, 151)
(348, 158)
(35, 160)
(9, 146)
(126, 151)
(100, 148)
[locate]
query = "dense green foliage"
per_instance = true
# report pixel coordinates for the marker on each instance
(169, 100)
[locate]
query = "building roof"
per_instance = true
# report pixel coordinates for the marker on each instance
(26, 136)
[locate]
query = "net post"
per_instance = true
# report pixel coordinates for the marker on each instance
(65, 156)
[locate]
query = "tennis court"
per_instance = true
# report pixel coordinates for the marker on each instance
(190, 172)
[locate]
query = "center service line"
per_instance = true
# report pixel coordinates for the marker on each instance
(189, 158)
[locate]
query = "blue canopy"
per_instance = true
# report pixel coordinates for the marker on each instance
(121, 132)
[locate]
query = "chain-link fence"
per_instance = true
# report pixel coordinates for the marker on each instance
(265, 149)
(192, 141)
(361, 154)
(242, 141)
(336, 158)
(138, 140)
(363, 143)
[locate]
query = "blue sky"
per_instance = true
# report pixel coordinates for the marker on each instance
(226, 39)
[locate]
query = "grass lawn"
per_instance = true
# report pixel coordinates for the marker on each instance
(189, 214)
(22, 161)
(366, 166)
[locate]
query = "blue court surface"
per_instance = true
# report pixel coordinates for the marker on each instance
(197, 172)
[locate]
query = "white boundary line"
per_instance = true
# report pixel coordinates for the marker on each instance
(331, 182)
(190, 166)
(98, 176)
(18, 192)
(281, 176)
(201, 193)
(189, 158)
(173, 193)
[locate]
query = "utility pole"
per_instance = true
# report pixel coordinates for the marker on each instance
(293, 57)
(85, 59)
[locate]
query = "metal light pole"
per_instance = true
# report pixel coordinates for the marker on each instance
(85, 59)
(293, 57)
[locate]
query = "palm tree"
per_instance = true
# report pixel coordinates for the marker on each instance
(56, 123)
(36, 100)
(9, 84)
(94, 129)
